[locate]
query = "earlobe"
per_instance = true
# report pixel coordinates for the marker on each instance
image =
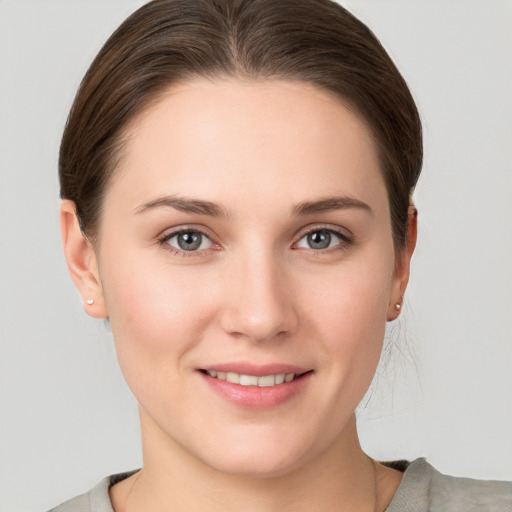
(403, 265)
(81, 261)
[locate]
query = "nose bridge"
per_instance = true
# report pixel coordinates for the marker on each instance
(260, 305)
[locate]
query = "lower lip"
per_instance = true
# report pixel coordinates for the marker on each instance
(255, 397)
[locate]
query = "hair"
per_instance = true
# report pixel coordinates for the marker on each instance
(167, 42)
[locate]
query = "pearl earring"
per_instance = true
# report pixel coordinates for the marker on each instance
(90, 302)
(398, 307)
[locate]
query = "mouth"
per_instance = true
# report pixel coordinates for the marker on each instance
(262, 381)
(251, 386)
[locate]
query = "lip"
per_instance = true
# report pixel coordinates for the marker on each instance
(256, 370)
(255, 397)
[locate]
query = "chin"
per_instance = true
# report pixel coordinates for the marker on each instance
(258, 457)
(257, 466)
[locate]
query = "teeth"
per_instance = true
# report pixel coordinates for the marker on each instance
(252, 380)
(266, 380)
(233, 377)
(249, 380)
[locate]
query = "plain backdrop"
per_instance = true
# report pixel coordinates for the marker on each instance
(66, 417)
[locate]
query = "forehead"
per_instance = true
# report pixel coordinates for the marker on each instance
(212, 138)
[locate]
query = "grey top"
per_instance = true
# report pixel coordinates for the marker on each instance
(423, 489)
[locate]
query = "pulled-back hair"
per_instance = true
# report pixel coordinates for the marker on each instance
(166, 42)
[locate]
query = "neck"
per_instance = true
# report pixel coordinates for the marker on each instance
(340, 478)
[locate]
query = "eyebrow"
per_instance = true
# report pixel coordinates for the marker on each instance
(329, 204)
(198, 206)
(186, 205)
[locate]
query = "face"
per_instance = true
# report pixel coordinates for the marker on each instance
(247, 265)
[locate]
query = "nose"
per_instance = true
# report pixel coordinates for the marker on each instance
(259, 305)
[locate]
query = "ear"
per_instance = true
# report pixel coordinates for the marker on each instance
(82, 262)
(402, 267)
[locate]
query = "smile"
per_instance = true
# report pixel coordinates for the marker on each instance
(262, 381)
(257, 387)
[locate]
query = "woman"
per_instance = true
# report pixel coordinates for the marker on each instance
(236, 180)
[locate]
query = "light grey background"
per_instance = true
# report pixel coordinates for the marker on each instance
(66, 418)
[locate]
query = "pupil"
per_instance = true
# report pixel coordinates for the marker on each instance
(189, 241)
(319, 239)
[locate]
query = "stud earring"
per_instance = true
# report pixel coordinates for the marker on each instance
(398, 307)
(90, 302)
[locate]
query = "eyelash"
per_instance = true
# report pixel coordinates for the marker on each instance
(343, 245)
(345, 241)
(164, 239)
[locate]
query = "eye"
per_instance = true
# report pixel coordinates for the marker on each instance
(321, 239)
(189, 241)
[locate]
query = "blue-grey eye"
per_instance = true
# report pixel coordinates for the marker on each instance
(190, 241)
(320, 239)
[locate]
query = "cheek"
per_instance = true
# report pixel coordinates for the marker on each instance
(157, 315)
(353, 300)
(349, 318)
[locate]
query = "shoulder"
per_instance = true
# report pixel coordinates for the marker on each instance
(427, 490)
(81, 503)
(96, 500)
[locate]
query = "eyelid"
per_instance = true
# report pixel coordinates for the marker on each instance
(169, 233)
(346, 236)
(344, 233)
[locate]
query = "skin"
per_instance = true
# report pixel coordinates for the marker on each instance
(255, 291)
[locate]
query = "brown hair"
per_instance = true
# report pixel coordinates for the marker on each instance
(169, 41)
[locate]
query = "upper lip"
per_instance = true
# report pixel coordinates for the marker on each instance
(245, 368)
